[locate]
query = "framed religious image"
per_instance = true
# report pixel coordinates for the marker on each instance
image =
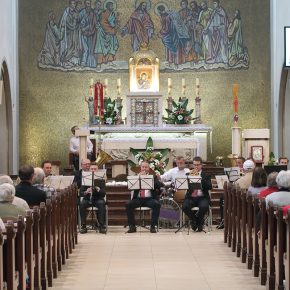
(257, 153)
(144, 78)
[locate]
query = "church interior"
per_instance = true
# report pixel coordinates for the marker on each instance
(154, 131)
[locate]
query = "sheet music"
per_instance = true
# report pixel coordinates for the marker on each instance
(181, 183)
(87, 177)
(133, 182)
(233, 173)
(58, 181)
(147, 182)
(140, 182)
(66, 181)
(221, 179)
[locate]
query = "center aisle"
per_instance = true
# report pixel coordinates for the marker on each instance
(163, 261)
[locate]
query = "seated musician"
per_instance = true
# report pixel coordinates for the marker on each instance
(7, 209)
(178, 171)
(148, 198)
(283, 161)
(197, 197)
(93, 196)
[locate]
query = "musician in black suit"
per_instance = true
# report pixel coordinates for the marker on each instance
(85, 165)
(197, 197)
(147, 198)
(93, 196)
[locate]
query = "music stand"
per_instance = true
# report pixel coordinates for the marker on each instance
(183, 183)
(233, 173)
(92, 179)
(141, 182)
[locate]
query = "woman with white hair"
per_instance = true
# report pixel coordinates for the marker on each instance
(16, 200)
(281, 197)
(7, 209)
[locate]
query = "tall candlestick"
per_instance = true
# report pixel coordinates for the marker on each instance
(197, 87)
(183, 85)
(169, 85)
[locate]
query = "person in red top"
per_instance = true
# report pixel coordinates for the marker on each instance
(272, 185)
(285, 209)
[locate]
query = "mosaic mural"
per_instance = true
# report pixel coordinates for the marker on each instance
(194, 37)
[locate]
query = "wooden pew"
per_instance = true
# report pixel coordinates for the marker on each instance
(58, 230)
(10, 274)
(29, 256)
(286, 255)
(226, 227)
(37, 251)
(280, 249)
(249, 231)
(244, 228)
(239, 220)
(20, 253)
(270, 244)
(1, 259)
(234, 218)
(262, 242)
(230, 215)
(256, 255)
(49, 240)
(54, 205)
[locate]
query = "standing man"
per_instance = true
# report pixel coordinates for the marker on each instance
(74, 148)
(197, 197)
(148, 198)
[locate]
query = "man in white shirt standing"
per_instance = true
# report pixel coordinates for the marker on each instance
(74, 147)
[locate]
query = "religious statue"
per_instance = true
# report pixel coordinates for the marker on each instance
(92, 118)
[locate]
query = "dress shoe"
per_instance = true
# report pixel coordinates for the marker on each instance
(102, 230)
(199, 228)
(83, 229)
(132, 229)
(193, 226)
(153, 230)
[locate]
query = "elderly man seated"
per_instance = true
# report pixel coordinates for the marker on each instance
(7, 209)
(245, 181)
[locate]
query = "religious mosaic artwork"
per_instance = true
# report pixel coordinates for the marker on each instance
(194, 36)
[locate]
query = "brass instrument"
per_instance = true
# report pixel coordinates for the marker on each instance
(102, 158)
(193, 172)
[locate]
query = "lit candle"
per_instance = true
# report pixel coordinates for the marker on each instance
(118, 82)
(236, 98)
(235, 89)
(169, 85)
(197, 82)
(106, 86)
(183, 85)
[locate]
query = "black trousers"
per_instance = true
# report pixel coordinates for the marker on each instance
(152, 203)
(100, 204)
(198, 201)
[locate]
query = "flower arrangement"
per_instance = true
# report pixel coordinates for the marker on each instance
(155, 159)
(272, 159)
(179, 114)
(111, 112)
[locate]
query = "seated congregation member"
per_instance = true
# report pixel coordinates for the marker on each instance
(178, 171)
(245, 181)
(259, 181)
(281, 197)
(148, 198)
(74, 147)
(197, 197)
(93, 196)
(85, 166)
(283, 161)
(19, 202)
(271, 185)
(240, 163)
(46, 167)
(7, 209)
(25, 190)
(38, 182)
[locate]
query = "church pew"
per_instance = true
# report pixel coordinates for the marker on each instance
(10, 274)
(69, 220)
(256, 255)
(49, 239)
(262, 242)
(36, 248)
(286, 255)
(1, 259)
(230, 215)
(29, 256)
(280, 249)
(226, 185)
(234, 218)
(249, 232)
(54, 208)
(244, 228)
(239, 220)
(58, 230)
(271, 242)
(43, 245)
(62, 227)
(75, 214)
(20, 253)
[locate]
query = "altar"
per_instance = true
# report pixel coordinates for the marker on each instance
(146, 117)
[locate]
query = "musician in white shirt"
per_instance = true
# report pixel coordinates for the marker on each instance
(74, 147)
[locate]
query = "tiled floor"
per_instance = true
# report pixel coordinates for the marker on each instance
(163, 261)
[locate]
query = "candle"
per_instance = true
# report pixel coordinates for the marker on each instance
(118, 82)
(236, 99)
(197, 82)
(106, 83)
(169, 82)
(183, 82)
(235, 89)
(91, 81)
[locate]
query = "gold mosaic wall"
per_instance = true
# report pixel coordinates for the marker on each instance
(51, 102)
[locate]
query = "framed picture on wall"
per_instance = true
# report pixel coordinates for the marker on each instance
(257, 153)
